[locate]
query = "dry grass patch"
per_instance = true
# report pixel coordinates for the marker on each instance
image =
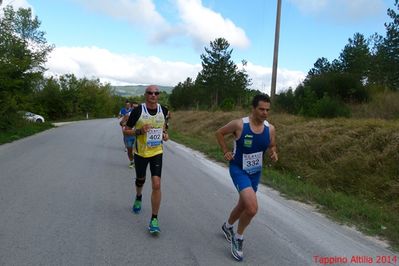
(348, 166)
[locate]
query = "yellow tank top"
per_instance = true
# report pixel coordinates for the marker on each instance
(150, 144)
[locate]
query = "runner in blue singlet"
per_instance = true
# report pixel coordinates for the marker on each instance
(253, 136)
(123, 116)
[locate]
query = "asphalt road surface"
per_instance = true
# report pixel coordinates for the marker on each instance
(66, 194)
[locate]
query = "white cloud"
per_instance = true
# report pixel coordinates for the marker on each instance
(137, 12)
(118, 69)
(16, 4)
(341, 10)
(195, 21)
(204, 25)
(261, 78)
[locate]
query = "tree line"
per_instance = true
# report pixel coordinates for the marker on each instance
(365, 66)
(23, 86)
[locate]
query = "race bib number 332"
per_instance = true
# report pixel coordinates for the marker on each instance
(252, 163)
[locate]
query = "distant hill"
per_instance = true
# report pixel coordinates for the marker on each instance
(137, 90)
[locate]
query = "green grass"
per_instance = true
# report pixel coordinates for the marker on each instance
(370, 217)
(23, 129)
(212, 151)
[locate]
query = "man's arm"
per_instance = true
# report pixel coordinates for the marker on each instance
(131, 122)
(166, 112)
(273, 145)
(233, 127)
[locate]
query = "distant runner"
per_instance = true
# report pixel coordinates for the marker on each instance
(128, 140)
(125, 111)
(253, 136)
(149, 121)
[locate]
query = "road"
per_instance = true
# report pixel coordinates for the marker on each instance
(66, 193)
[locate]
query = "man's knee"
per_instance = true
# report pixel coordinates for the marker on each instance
(156, 183)
(140, 181)
(251, 210)
(249, 202)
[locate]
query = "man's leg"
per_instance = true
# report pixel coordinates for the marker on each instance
(249, 205)
(124, 140)
(236, 212)
(156, 171)
(156, 194)
(141, 165)
(130, 152)
(246, 208)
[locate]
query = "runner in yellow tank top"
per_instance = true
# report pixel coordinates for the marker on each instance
(150, 143)
(148, 122)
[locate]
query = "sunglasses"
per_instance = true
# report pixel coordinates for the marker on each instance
(152, 92)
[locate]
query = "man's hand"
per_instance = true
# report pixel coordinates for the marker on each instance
(274, 156)
(145, 128)
(229, 155)
(165, 136)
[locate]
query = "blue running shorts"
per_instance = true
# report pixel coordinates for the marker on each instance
(129, 141)
(242, 179)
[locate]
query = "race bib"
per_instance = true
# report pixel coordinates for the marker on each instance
(252, 163)
(154, 137)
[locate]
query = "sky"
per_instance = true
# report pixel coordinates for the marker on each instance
(127, 42)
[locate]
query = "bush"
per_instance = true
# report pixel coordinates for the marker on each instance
(285, 102)
(328, 107)
(227, 105)
(383, 105)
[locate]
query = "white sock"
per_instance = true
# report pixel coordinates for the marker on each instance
(238, 236)
(228, 225)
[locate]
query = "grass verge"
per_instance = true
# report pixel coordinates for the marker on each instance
(23, 129)
(372, 218)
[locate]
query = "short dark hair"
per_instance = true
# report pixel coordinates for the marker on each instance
(260, 98)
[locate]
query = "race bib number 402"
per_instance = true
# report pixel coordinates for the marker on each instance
(154, 137)
(252, 163)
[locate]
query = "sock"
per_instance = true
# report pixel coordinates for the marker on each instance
(238, 236)
(154, 216)
(138, 197)
(228, 225)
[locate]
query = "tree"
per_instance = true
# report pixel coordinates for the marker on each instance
(220, 78)
(377, 73)
(183, 95)
(321, 66)
(355, 57)
(391, 45)
(23, 52)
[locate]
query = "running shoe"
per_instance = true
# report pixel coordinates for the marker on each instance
(228, 232)
(236, 248)
(131, 164)
(154, 226)
(136, 206)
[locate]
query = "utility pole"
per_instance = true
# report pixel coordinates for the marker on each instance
(275, 56)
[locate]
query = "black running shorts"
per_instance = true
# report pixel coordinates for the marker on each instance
(141, 165)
